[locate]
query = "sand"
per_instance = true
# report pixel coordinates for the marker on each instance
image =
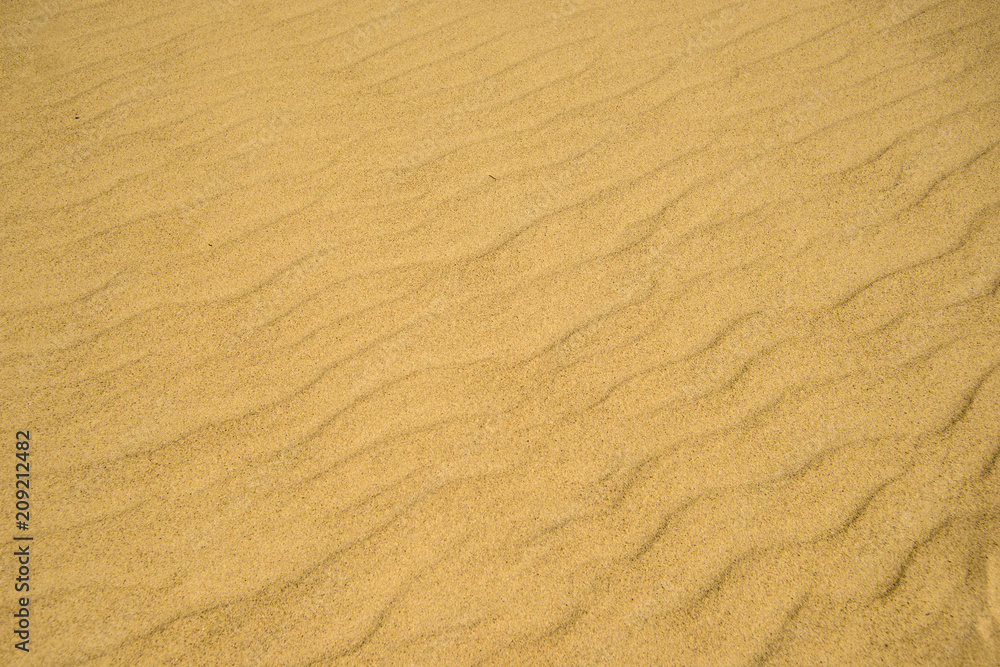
(501, 333)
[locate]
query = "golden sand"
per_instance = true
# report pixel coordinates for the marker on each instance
(501, 333)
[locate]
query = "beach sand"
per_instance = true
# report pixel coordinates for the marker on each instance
(501, 333)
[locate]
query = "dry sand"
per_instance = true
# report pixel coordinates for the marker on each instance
(502, 333)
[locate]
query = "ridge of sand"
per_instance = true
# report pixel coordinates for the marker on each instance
(511, 333)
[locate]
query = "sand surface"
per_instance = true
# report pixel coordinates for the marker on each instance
(502, 333)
